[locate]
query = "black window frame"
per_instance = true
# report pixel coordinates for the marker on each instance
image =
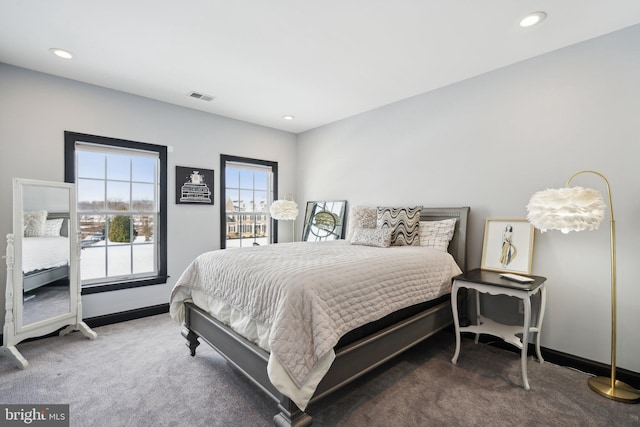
(224, 158)
(70, 139)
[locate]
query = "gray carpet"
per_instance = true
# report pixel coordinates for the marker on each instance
(139, 373)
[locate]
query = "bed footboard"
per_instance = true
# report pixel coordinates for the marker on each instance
(245, 356)
(351, 361)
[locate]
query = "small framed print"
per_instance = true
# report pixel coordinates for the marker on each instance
(194, 186)
(508, 245)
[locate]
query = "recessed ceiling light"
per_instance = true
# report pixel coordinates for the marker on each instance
(61, 53)
(533, 19)
(288, 117)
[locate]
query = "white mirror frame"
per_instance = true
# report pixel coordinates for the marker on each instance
(14, 330)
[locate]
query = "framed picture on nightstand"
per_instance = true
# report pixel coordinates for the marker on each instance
(508, 245)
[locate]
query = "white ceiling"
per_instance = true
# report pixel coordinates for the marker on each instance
(320, 61)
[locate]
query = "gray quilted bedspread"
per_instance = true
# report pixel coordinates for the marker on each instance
(310, 294)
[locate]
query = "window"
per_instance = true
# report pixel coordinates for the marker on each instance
(247, 189)
(121, 201)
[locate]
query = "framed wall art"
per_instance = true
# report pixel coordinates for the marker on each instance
(194, 186)
(508, 245)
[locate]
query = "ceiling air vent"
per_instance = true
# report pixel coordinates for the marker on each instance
(201, 96)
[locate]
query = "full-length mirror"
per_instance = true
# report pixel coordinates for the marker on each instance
(46, 254)
(324, 220)
(42, 290)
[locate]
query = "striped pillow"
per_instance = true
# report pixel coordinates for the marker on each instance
(403, 222)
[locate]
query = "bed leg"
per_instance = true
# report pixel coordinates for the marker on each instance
(192, 340)
(290, 415)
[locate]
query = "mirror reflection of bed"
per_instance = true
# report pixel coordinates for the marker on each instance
(45, 254)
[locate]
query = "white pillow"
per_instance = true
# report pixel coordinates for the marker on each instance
(52, 227)
(34, 222)
(437, 234)
(360, 217)
(378, 237)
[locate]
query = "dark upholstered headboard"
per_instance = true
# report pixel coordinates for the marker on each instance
(458, 244)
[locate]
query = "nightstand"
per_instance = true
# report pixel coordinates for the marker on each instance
(489, 282)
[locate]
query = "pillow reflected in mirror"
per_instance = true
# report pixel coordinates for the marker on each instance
(34, 223)
(52, 227)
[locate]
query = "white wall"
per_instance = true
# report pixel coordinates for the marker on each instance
(35, 110)
(489, 143)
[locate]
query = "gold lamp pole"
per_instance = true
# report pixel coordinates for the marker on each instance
(548, 210)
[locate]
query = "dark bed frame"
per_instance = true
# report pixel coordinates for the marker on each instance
(37, 278)
(352, 360)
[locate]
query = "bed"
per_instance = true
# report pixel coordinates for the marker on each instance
(291, 370)
(45, 256)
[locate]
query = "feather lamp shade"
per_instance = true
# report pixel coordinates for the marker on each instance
(566, 209)
(576, 209)
(286, 210)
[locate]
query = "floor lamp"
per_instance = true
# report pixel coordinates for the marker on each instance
(285, 210)
(576, 209)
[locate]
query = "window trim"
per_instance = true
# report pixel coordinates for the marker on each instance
(224, 158)
(70, 139)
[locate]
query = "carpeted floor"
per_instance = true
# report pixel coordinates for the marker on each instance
(139, 373)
